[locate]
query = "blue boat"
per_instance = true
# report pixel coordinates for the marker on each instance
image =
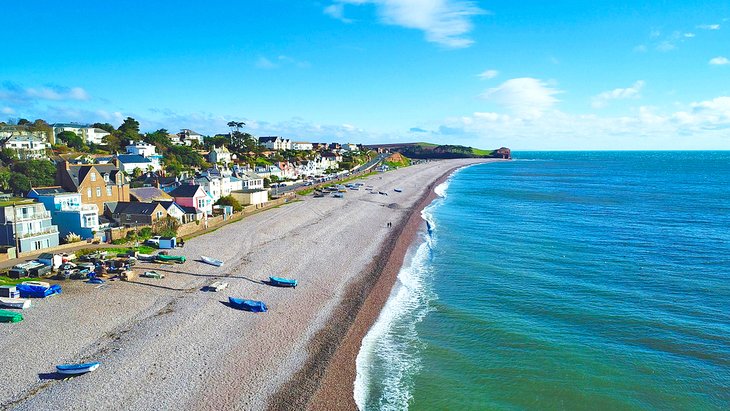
(37, 291)
(94, 280)
(77, 368)
(282, 282)
(248, 305)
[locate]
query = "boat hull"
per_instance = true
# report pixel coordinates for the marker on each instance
(20, 303)
(75, 369)
(211, 261)
(248, 305)
(282, 282)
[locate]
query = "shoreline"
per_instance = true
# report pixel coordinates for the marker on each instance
(327, 378)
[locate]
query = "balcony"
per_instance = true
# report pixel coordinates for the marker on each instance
(35, 216)
(48, 230)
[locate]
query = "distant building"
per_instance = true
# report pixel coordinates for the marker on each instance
(28, 225)
(148, 194)
(27, 147)
(301, 145)
(193, 199)
(275, 143)
(220, 155)
(68, 213)
(129, 162)
(141, 148)
(88, 133)
(187, 137)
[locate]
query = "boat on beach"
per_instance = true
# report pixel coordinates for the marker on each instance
(248, 305)
(94, 280)
(211, 261)
(10, 317)
(29, 289)
(218, 286)
(152, 274)
(398, 190)
(75, 369)
(20, 303)
(282, 282)
(170, 258)
(37, 283)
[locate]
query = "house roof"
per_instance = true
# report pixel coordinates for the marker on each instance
(189, 210)
(267, 139)
(147, 194)
(185, 190)
(78, 172)
(50, 191)
(133, 207)
(169, 203)
(132, 158)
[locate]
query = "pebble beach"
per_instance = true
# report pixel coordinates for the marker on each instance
(167, 344)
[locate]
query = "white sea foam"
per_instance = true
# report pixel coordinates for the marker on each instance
(389, 351)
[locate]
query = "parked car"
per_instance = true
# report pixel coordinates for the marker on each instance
(153, 241)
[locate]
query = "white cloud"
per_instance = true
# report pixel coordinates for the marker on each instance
(445, 22)
(264, 63)
(527, 97)
(488, 74)
(633, 92)
(14, 92)
(666, 46)
(689, 35)
(709, 27)
(719, 61)
(337, 11)
(7, 110)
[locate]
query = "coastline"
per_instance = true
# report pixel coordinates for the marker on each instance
(327, 378)
(197, 352)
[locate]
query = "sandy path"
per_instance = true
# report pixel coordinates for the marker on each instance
(166, 344)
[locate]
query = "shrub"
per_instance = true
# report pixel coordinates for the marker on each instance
(230, 201)
(72, 238)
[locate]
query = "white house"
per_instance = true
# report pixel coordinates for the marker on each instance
(350, 147)
(141, 148)
(251, 180)
(302, 146)
(187, 136)
(173, 210)
(129, 162)
(220, 155)
(27, 147)
(275, 143)
(87, 133)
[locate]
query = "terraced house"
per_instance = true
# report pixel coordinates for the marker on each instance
(26, 225)
(97, 183)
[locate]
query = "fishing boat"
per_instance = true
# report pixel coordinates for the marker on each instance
(21, 303)
(248, 305)
(170, 258)
(218, 286)
(338, 195)
(94, 280)
(10, 317)
(75, 369)
(282, 282)
(398, 190)
(152, 274)
(211, 261)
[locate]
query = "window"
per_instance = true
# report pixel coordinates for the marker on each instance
(159, 215)
(108, 191)
(92, 176)
(88, 192)
(98, 191)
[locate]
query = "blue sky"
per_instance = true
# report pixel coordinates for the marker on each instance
(528, 75)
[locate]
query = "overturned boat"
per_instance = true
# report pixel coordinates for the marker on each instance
(282, 282)
(20, 303)
(75, 369)
(248, 305)
(10, 317)
(218, 286)
(211, 261)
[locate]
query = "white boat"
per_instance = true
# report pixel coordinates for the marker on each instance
(37, 283)
(21, 303)
(211, 261)
(218, 286)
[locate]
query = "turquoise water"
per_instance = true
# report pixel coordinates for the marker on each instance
(594, 280)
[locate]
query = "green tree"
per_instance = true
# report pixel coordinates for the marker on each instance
(104, 126)
(230, 201)
(41, 173)
(5, 180)
(137, 172)
(72, 140)
(113, 142)
(18, 183)
(159, 139)
(8, 156)
(23, 122)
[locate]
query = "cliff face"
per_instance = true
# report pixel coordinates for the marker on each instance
(433, 151)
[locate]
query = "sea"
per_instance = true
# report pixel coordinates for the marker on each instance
(563, 281)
